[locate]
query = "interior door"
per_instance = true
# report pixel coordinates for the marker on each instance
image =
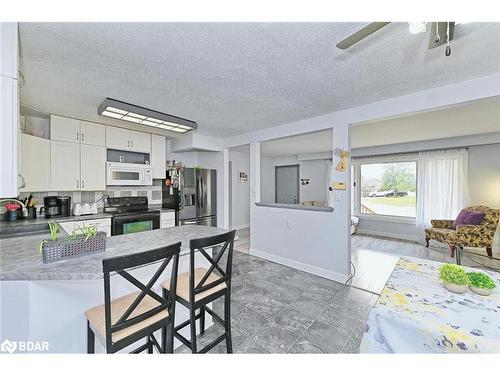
(287, 184)
(93, 167)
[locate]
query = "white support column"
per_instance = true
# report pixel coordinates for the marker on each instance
(226, 203)
(341, 231)
(254, 173)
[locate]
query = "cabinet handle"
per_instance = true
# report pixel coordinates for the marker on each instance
(128, 143)
(83, 184)
(77, 184)
(82, 136)
(132, 143)
(77, 136)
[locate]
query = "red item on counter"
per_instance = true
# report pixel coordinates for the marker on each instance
(12, 207)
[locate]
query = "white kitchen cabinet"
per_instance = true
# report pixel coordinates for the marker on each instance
(64, 166)
(158, 156)
(117, 138)
(92, 167)
(8, 49)
(92, 133)
(167, 219)
(140, 142)
(9, 118)
(123, 139)
(64, 129)
(35, 163)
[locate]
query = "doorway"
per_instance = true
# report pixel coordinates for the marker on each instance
(287, 184)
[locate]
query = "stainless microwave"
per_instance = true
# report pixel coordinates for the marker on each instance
(128, 174)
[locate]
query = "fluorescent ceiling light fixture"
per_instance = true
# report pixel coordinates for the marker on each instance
(143, 116)
(111, 114)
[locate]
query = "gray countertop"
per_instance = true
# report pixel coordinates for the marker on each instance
(20, 259)
(295, 207)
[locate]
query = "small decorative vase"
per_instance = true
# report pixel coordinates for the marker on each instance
(481, 291)
(454, 288)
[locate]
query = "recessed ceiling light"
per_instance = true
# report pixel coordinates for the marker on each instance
(144, 116)
(111, 114)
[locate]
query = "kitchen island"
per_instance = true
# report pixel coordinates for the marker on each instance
(46, 302)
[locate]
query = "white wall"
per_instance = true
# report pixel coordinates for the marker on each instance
(267, 187)
(240, 191)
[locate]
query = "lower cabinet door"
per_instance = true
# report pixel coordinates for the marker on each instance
(93, 167)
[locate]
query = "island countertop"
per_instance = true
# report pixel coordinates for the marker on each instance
(21, 260)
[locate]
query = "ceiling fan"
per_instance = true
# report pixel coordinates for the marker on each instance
(440, 33)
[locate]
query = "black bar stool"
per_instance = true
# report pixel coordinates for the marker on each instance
(125, 320)
(200, 286)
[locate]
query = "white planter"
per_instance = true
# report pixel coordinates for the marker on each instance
(481, 291)
(454, 288)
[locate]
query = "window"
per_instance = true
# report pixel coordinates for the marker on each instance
(386, 188)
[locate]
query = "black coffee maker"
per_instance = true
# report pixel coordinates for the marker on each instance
(56, 206)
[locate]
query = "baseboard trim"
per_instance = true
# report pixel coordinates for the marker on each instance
(239, 227)
(318, 271)
(386, 234)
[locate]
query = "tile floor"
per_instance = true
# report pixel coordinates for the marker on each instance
(277, 309)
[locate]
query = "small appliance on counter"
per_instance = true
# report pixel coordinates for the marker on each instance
(51, 206)
(84, 209)
(65, 204)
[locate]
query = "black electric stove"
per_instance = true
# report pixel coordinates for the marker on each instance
(131, 215)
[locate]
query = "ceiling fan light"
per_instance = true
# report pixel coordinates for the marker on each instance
(417, 27)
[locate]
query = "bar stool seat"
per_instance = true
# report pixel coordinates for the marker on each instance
(183, 289)
(96, 318)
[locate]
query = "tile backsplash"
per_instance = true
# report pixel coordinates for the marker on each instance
(152, 192)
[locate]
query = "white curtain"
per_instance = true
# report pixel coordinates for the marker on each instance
(442, 186)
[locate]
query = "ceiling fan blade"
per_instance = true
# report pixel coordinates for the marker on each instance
(361, 34)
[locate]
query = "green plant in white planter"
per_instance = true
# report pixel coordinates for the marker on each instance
(454, 277)
(480, 283)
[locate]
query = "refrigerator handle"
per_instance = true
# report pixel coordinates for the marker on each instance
(202, 202)
(198, 191)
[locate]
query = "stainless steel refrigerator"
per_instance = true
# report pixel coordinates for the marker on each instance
(199, 197)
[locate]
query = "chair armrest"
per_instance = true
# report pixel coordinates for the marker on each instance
(444, 224)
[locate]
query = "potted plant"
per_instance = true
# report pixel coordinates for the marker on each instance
(480, 283)
(83, 241)
(454, 278)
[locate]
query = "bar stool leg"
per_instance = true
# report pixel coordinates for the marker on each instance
(192, 323)
(227, 322)
(150, 345)
(90, 339)
(202, 320)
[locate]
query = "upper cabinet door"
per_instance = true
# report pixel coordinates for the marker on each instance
(140, 142)
(158, 156)
(8, 49)
(64, 129)
(35, 163)
(64, 166)
(117, 138)
(92, 133)
(92, 167)
(8, 137)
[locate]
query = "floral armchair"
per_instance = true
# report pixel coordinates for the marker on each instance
(466, 235)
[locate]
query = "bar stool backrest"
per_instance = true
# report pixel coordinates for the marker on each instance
(119, 265)
(222, 244)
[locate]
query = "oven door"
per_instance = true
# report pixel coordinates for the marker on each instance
(134, 223)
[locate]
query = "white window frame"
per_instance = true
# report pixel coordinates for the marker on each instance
(357, 162)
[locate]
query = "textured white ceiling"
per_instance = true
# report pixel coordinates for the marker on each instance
(237, 77)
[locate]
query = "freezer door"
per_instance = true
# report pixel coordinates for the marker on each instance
(206, 192)
(188, 195)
